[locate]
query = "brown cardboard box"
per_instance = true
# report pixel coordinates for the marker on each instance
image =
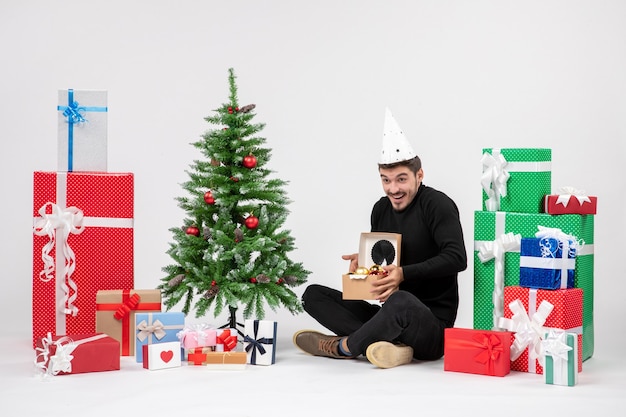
(375, 248)
(115, 314)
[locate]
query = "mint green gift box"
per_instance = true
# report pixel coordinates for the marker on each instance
(529, 179)
(490, 225)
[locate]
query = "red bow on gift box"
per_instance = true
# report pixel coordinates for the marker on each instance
(229, 341)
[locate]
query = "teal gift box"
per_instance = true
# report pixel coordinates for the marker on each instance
(153, 328)
(560, 350)
(490, 226)
(516, 179)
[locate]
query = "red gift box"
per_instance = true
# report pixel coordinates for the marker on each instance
(474, 351)
(570, 203)
(198, 355)
(75, 354)
(566, 314)
(82, 243)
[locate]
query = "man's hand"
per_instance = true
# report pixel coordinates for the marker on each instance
(354, 261)
(387, 285)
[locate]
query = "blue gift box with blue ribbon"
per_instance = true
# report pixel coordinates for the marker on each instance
(82, 130)
(547, 263)
(260, 341)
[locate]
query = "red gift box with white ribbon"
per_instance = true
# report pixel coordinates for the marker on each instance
(82, 242)
(530, 313)
(570, 201)
(76, 354)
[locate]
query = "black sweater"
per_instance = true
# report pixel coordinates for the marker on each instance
(432, 251)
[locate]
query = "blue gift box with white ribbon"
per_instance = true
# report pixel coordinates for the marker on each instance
(154, 328)
(82, 130)
(547, 263)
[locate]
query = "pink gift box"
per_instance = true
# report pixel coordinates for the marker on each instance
(197, 336)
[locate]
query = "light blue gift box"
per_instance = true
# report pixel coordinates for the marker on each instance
(153, 328)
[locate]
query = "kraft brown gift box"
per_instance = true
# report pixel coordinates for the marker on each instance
(115, 314)
(375, 248)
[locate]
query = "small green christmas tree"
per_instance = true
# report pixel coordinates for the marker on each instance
(232, 250)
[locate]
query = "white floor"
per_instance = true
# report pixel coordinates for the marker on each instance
(302, 385)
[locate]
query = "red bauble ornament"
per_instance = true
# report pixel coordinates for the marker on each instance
(213, 283)
(280, 281)
(230, 110)
(193, 230)
(252, 222)
(253, 280)
(208, 198)
(249, 161)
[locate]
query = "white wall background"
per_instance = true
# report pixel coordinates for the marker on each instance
(458, 75)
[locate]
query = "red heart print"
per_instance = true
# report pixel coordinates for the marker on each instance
(167, 356)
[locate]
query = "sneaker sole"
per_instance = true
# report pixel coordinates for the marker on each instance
(387, 355)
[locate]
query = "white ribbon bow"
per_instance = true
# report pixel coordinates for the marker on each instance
(566, 193)
(529, 331)
(197, 331)
(495, 250)
(494, 178)
(61, 361)
(65, 221)
(155, 328)
(555, 345)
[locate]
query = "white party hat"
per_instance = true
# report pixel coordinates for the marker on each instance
(396, 147)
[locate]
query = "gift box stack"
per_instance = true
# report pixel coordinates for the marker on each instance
(205, 345)
(82, 235)
(533, 259)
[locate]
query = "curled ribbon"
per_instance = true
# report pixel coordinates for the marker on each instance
(495, 250)
(65, 221)
(494, 178)
(73, 112)
(566, 193)
(61, 361)
(528, 328)
(568, 243)
(145, 330)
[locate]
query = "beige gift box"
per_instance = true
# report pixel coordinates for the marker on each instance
(115, 314)
(375, 248)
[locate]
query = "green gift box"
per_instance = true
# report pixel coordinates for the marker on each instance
(490, 226)
(516, 179)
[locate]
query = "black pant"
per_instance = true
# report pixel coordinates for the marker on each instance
(402, 318)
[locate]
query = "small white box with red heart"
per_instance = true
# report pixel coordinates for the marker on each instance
(161, 355)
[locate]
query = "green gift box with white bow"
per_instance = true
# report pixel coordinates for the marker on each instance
(516, 179)
(497, 262)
